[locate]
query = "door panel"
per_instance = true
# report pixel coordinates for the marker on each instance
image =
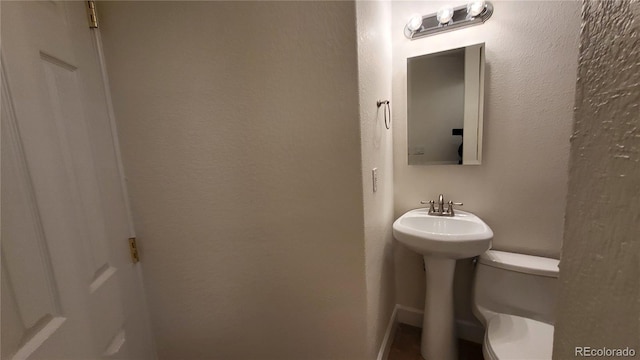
(36, 291)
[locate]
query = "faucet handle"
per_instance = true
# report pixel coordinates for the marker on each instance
(432, 208)
(449, 210)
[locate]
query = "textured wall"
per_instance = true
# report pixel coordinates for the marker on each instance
(374, 80)
(520, 188)
(600, 266)
(240, 136)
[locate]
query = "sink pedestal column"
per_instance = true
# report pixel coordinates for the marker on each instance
(438, 331)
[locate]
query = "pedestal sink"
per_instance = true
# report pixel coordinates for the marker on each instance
(441, 240)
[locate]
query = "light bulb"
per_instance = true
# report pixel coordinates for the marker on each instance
(415, 23)
(445, 15)
(475, 8)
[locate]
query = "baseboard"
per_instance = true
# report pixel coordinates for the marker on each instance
(389, 335)
(410, 316)
(467, 330)
(470, 331)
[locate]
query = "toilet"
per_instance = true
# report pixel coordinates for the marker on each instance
(514, 298)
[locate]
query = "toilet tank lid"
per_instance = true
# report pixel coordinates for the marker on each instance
(528, 264)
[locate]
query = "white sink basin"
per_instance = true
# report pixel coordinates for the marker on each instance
(461, 236)
(441, 240)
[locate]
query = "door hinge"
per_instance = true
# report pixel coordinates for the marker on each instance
(133, 248)
(93, 16)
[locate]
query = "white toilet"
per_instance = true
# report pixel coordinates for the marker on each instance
(514, 297)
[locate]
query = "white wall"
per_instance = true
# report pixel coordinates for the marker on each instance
(240, 134)
(374, 80)
(520, 188)
(599, 302)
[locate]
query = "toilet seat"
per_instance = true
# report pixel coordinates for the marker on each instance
(510, 337)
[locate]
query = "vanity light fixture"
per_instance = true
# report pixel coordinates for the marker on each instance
(448, 18)
(415, 23)
(475, 8)
(445, 15)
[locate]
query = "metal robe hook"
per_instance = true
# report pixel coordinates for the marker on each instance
(387, 108)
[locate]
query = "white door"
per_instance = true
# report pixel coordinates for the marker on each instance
(69, 287)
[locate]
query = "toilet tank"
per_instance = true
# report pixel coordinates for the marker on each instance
(515, 284)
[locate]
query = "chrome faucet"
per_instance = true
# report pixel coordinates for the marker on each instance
(440, 210)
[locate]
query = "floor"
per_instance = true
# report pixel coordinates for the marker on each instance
(406, 346)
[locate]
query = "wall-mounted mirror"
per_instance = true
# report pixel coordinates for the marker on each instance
(445, 95)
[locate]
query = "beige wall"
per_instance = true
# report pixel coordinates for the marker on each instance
(520, 188)
(239, 126)
(600, 266)
(374, 80)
